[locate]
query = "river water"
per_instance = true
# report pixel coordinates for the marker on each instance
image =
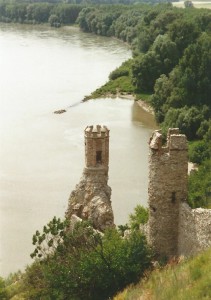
(42, 154)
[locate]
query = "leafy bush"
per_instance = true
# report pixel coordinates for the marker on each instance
(118, 73)
(3, 293)
(54, 21)
(199, 152)
(199, 186)
(140, 216)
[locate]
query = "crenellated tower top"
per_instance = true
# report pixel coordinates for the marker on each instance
(175, 141)
(96, 146)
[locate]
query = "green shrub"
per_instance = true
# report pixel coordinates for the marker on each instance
(199, 188)
(3, 293)
(198, 152)
(118, 73)
(140, 216)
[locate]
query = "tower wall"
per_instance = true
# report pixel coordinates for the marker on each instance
(168, 172)
(96, 146)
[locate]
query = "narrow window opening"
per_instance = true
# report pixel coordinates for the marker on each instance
(99, 157)
(173, 197)
(153, 208)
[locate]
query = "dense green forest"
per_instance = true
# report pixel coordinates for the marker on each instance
(56, 12)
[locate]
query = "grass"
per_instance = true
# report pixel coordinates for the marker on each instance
(121, 85)
(190, 279)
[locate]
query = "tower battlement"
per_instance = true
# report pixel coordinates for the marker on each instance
(96, 147)
(97, 131)
(175, 141)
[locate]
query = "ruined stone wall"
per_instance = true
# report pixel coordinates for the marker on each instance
(194, 230)
(168, 169)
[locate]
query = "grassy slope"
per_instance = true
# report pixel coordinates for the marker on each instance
(188, 280)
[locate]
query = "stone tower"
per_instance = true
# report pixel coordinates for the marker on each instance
(168, 172)
(91, 198)
(96, 147)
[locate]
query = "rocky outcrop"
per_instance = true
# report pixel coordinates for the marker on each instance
(60, 111)
(91, 199)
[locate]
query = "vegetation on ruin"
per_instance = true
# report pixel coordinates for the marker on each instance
(188, 279)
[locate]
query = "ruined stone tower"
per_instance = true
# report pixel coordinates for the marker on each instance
(97, 147)
(91, 198)
(168, 171)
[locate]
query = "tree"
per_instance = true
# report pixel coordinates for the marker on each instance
(54, 21)
(183, 33)
(199, 187)
(167, 52)
(38, 12)
(145, 71)
(3, 293)
(140, 216)
(188, 4)
(67, 13)
(199, 151)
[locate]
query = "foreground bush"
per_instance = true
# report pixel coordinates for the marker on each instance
(85, 264)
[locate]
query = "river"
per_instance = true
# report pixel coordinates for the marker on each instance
(42, 154)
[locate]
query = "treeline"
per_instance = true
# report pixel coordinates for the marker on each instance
(17, 10)
(57, 13)
(171, 63)
(34, 13)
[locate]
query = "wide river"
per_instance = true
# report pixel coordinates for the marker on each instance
(41, 153)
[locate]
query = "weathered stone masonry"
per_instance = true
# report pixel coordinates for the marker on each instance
(168, 169)
(174, 228)
(194, 230)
